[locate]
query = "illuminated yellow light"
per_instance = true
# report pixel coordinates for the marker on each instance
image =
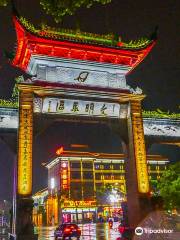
(55, 209)
(79, 146)
(59, 151)
(140, 153)
(64, 172)
(25, 151)
(79, 203)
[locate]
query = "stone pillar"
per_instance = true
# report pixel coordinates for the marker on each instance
(24, 226)
(137, 182)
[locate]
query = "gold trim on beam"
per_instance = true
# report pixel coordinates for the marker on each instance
(80, 93)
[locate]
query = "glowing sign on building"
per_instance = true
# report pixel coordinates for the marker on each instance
(79, 203)
(25, 151)
(65, 175)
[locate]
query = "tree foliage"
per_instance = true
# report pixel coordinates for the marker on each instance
(160, 114)
(3, 3)
(169, 186)
(60, 8)
(154, 187)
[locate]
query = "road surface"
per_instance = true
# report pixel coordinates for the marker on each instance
(90, 231)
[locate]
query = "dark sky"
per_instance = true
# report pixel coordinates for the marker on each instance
(158, 75)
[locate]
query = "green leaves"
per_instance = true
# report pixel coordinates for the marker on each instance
(169, 186)
(60, 8)
(160, 114)
(8, 103)
(3, 3)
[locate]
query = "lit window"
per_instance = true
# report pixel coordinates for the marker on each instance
(101, 167)
(96, 166)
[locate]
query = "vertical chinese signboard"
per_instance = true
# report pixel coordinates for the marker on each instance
(64, 175)
(139, 147)
(25, 144)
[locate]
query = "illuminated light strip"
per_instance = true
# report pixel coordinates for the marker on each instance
(79, 146)
(157, 162)
(109, 161)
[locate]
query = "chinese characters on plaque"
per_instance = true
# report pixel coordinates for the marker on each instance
(140, 153)
(78, 107)
(25, 151)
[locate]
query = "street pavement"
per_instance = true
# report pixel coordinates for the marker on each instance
(99, 231)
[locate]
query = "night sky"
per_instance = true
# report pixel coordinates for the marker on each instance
(158, 75)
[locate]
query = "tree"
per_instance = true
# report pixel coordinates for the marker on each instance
(169, 186)
(3, 3)
(60, 8)
(154, 187)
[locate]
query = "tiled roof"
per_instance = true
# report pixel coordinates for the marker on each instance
(109, 40)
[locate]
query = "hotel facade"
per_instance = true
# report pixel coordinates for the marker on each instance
(86, 187)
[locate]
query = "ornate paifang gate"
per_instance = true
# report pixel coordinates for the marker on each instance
(87, 80)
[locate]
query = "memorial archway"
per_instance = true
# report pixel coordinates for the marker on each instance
(29, 104)
(79, 77)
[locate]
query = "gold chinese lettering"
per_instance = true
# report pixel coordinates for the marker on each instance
(139, 147)
(25, 145)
